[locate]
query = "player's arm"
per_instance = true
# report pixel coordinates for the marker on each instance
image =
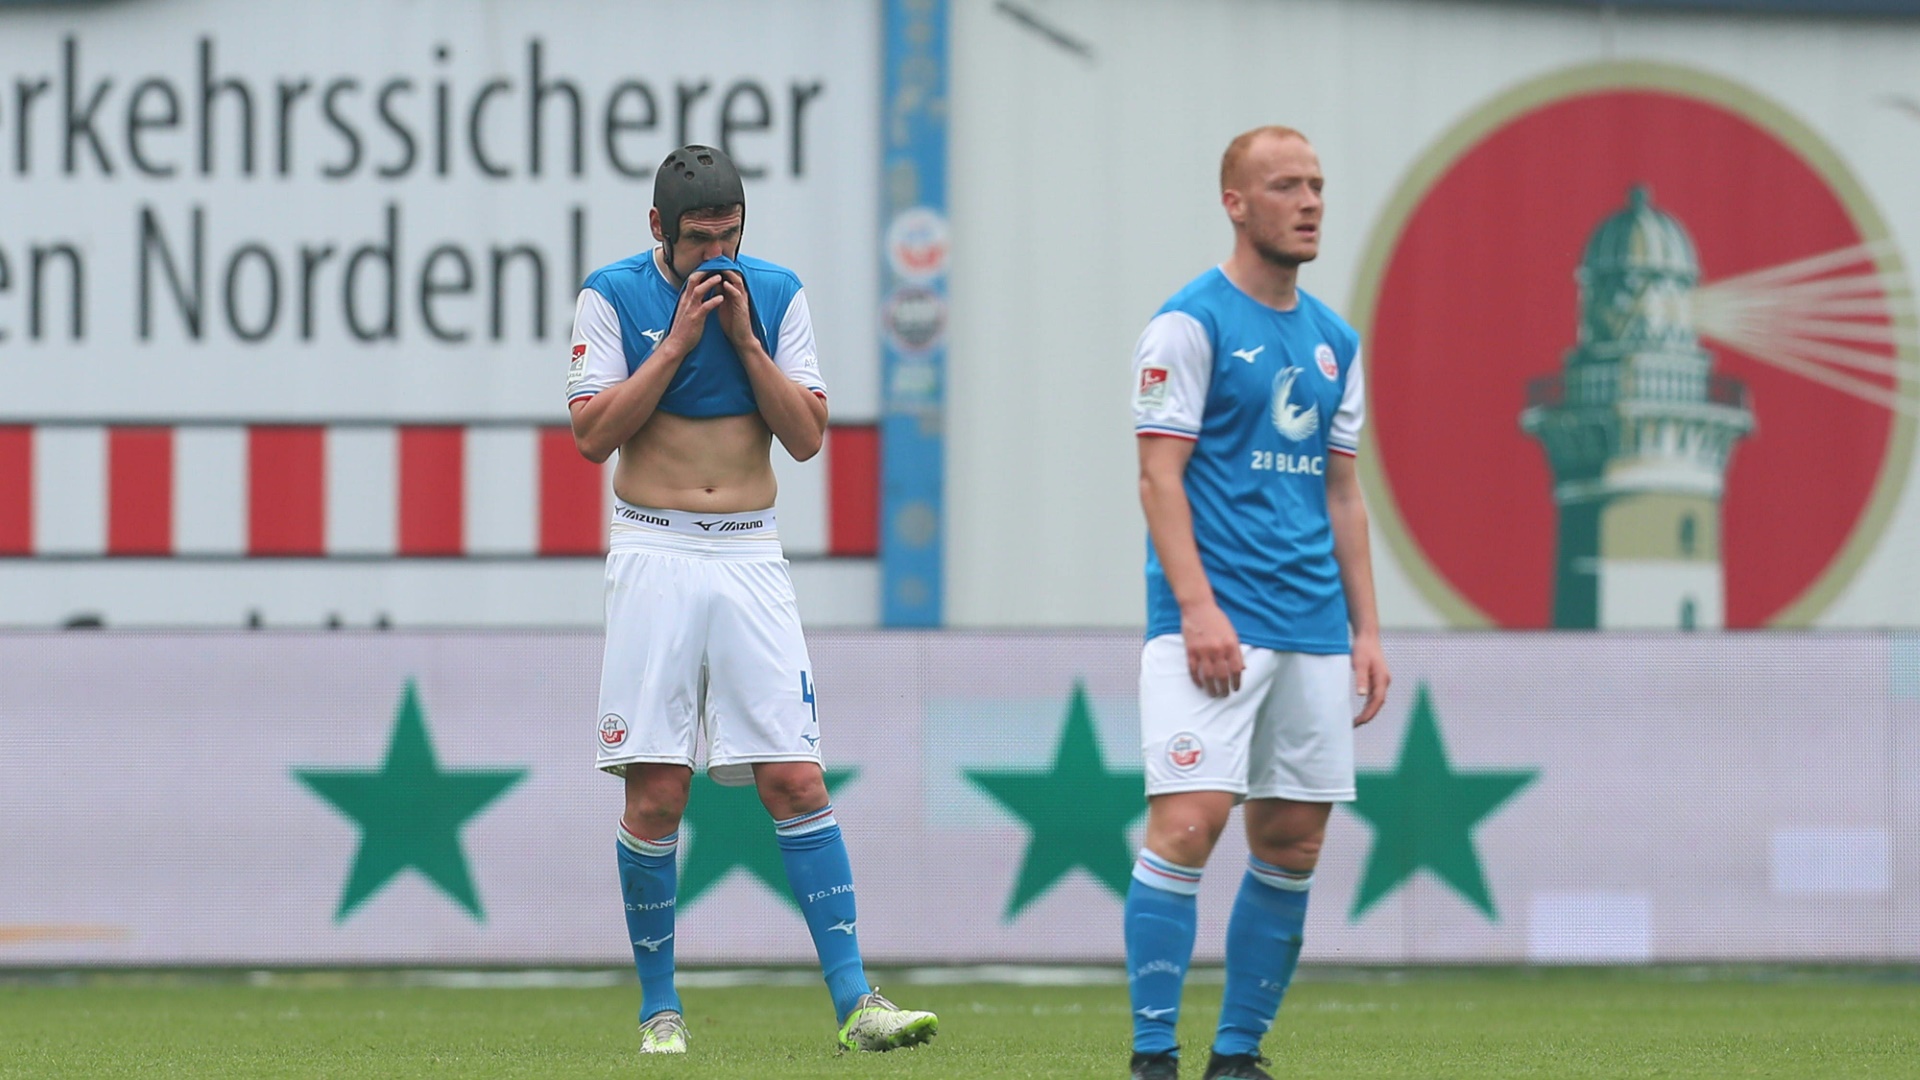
(608, 405)
(796, 413)
(1352, 551)
(1213, 648)
(1172, 366)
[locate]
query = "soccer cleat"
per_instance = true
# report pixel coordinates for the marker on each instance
(1236, 1067)
(665, 1032)
(1154, 1067)
(878, 1024)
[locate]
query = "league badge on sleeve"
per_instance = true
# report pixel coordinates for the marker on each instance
(577, 369)
(1153, 388)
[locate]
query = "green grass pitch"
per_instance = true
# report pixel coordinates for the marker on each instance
(1448, 1023)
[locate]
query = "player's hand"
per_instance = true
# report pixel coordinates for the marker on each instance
(1214, 659)
(697, 300)
(1370, 676)
(736, 316)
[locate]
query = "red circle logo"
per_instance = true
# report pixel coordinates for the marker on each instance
(1184, 750)
(613, 731)
(1634, 361)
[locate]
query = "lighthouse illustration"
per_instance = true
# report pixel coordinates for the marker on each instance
(1638, 431)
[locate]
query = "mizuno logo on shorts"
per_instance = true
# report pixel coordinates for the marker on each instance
(631, 514)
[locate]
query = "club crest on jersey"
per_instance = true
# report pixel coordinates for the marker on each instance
(1153, 387)
(1185, 750)
(1323, 358)
(613, 732)
(1289, 419)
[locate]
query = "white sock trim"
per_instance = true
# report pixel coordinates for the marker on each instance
(1279, 877)
(666, 845)
(1155, 872)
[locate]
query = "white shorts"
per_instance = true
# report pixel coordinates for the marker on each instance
(1287, 733)
(703, 646)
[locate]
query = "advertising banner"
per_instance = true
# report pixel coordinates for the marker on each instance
(297, 282)
(1634, 290)
(365, 798)
(1662, 387)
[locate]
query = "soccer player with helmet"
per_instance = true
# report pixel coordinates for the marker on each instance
(1261, 625)
(690, 359)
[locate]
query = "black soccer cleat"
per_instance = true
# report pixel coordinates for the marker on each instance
(1236, 1067)
(1155, 1067)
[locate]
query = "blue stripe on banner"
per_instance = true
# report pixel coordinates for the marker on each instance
(913, 307)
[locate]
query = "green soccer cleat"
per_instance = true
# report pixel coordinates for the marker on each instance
(665, 1032)
(878, 1024)
(1236, 1067)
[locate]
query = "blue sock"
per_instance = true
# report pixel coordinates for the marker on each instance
(1161, 917)
(822, 881)
(649, 882)
(1263, 947)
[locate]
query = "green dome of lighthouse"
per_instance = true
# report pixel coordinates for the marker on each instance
(1641, 239)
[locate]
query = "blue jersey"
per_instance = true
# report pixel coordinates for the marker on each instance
(1265, 395)
(627, 308)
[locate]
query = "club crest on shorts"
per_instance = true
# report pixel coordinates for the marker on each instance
(1184, 750)
(613, 732)
(1323, 359)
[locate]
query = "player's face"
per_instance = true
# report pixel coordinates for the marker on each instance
(1276, 199)
(703, 235)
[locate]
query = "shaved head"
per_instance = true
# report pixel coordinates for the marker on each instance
(1236, 154)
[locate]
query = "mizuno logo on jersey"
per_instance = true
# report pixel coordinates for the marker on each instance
(1249, 354)
(653, 336)
(1290, 420)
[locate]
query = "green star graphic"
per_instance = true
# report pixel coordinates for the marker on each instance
(1423, 814)
(731, 829)
(410, 812)
(1077, 811)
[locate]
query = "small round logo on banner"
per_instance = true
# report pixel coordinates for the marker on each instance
(1608, 316)
(917, 244)
(1184, 750)
(613, 732)
(916, 318)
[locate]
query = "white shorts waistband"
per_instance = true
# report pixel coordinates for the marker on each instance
(749, 523)
(749, 535)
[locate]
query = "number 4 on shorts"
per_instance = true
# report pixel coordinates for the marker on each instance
(806, 695)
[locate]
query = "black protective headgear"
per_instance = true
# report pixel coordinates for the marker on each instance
(695, 178)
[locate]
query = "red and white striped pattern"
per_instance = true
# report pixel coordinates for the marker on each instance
(363, 490)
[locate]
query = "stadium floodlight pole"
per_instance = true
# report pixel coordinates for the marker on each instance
(913, 275)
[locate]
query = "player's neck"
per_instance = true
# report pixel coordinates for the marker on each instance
(1266, 281)
(666, 269)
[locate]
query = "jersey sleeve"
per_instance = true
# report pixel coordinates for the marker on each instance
(793, 350)
(1343, 437)
(599, 359)
(1172, 368)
